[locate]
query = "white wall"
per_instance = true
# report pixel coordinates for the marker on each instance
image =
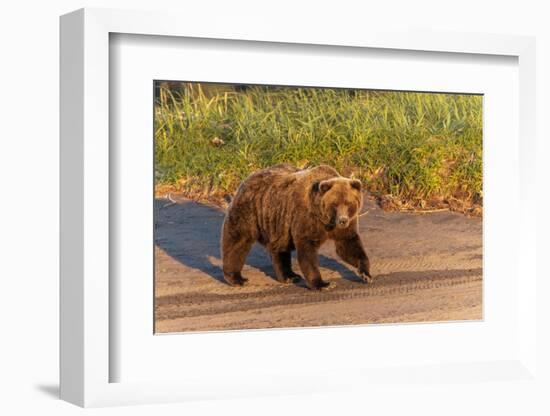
(29, 182)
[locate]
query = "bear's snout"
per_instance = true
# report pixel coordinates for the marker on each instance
(342, 221)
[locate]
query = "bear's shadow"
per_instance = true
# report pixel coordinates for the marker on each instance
(190, 232)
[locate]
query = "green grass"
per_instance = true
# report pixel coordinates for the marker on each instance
(421, 149)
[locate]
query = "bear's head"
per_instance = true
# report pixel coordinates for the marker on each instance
(339, 201)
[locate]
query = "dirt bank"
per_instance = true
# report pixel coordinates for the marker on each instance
(428, 268)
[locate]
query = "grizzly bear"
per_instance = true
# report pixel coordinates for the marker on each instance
(285, 208)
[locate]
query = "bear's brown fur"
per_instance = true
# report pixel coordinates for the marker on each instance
(286, 208)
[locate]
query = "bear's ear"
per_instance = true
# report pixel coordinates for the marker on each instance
(324, 186)
(356, 184)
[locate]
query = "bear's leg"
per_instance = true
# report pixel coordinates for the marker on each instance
(351, 251)
(282, 264)
(286, 258)
(234, 252)
(234, 257)
(309, 263)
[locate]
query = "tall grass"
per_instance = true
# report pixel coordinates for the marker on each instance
(418, 149)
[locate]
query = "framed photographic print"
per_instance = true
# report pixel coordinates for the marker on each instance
(378, 193)
(268, 213)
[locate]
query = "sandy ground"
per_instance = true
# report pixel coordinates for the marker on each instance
(428, 267)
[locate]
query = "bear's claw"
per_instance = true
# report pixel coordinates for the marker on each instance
(320, 285)
(239, 282)
(367, 278)
(329, 286)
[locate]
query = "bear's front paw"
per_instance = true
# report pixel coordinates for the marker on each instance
(366, 276)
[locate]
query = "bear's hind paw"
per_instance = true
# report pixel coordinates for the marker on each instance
(322, 285)
(240, 282)
(293, 278)
(235, 279)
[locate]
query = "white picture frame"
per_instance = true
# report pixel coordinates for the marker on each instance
(85, 211)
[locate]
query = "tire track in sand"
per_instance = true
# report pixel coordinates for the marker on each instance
(399, 283)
